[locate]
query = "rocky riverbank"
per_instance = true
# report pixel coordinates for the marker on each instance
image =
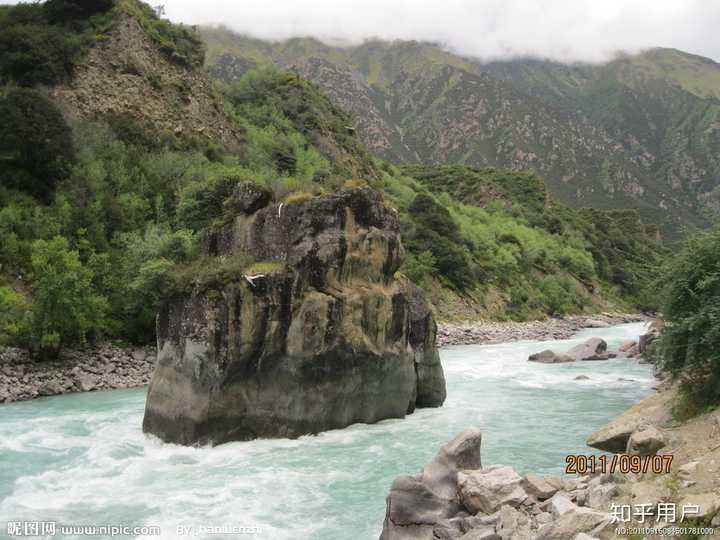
(104, 367)
(456, 497)
(487, 332)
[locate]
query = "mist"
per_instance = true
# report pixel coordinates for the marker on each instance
(564, 30)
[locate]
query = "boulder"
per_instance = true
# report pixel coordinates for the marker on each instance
(650, 492)
(323, 336)
(644, 342)
(88, 382)
(559, 504)
(448, 529)
(596, 323)
(461, 453)
(646, 441)
(592, 349)
(627, 345)
(481, 533)
(614, 436)
(413, 509)
(50, 387)
(417, 504)
(571, 523)
(488, 489)
(689, 469)
(582, 378)
(708, 505)
(550, 357)
(599, 497)
(512, 524)
(538, 487)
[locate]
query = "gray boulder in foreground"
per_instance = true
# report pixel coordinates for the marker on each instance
(417, 502)
(320, 335)
(454, 499)
(592, 349)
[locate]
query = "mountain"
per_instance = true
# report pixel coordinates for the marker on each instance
(642, 131)
(120, 158)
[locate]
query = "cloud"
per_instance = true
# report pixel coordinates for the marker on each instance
(590, 30)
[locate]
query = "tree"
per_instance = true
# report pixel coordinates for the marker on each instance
(66, 308)
(690, 345)
(13, 309)
(36, 147)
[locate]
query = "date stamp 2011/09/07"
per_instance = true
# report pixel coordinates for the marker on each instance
(622, 463)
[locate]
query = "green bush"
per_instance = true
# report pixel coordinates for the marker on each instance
(13, 316)
(419, 267)
(690, 345)
(201, 202)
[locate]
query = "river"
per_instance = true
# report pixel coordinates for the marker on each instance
(83, 459)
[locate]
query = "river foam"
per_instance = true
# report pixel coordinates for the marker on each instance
(82, 459)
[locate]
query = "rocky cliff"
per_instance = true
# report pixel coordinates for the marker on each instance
(127, 74)
(321, 335)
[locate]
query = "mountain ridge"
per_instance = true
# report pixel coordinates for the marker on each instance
(415, 102)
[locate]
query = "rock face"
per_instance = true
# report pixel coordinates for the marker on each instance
(322, 337)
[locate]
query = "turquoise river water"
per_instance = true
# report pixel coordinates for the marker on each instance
(83, 459)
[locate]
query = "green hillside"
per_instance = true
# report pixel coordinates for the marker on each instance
(103, 202)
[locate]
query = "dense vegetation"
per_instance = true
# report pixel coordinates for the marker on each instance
(544, 257)
(690, 344)
(101, 218)
(42, 43)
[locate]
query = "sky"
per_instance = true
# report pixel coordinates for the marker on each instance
(566, 30)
